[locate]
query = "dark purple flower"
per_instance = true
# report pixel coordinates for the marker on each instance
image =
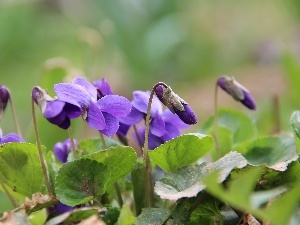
(54, 110)
(4, 97)
(11, 137)
(237, 91)
(176, 104)
(62, 150)
(60, 208)
(103, 114)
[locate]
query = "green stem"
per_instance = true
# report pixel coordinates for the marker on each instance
(118, 191)
(72, 142)
(215, 125)
(103, 140)
(149, 199)
(15, 117)
(38, 143)
(12, 200)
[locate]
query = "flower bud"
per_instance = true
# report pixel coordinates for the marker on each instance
(237, 91)
(176, 104)
(4, 97)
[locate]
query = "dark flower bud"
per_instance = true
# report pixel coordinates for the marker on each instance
(176, 104)
(237, 91)
(4, 97)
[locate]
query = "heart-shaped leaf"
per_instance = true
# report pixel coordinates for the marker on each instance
(187, 181)
(21, 170)
(80, 181)
(120, 160)
(181, 151)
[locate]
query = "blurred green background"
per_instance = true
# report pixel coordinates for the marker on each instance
(136, 43)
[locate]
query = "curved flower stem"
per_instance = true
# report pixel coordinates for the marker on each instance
(72, 142)
(15, 117)
(12, 200)
(215, 125)
(148, 176)
(38, 143)
(103, 140)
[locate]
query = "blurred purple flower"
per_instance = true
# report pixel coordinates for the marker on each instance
(11, 137)
(103, 114)
(176, 104)
(62, 150)
(4, 97)
(60, 208)
(237, 91)
(54, 110)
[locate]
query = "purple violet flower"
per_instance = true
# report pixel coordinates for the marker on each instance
(54, 110)
(237, 91)
(176, 104)
(4, 97)
(11, 137)
(102, 87)
(164, 125)
(60, 208)
(62, 150)
(103, 114)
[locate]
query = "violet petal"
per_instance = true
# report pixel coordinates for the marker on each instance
(118, 106)
(88, 87)
(123, 129)
(61, 152)
(11, 137)
(95, 118)
(103, 86)
(73, 94)
(157, 126)
(134, 117)
(53, 108)
(141, 99)
(172, 118)
(112, 125)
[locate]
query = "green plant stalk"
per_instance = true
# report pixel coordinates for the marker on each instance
(215, 125)
(15, 117)
(116, 185)
(72, 142)
(12, 200)
(38, 143)
(138, 138)
(149, 194)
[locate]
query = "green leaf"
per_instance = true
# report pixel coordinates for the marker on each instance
(126, 216)
(187, 181)
(153, 216)
(111, 216)
(295, 122)
(120, 160)
(80, 181)
(243, 128)
(138, 184)
(274, 151)
(239, 195)
(21, 170)
(91, 145)
(207, 211)
(181, 151)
